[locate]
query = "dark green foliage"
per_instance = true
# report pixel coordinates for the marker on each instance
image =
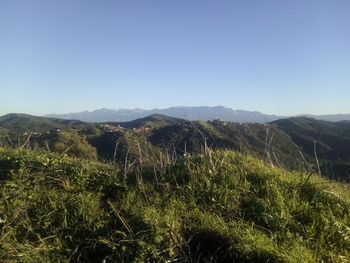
(110, 146)
(3, 137)
(332, 143)
(73, 144)
(263, 141)
(152, 121)
(288, 143)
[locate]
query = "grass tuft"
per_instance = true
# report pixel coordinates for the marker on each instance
(218, 207)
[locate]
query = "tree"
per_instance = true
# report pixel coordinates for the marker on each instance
(73, 144)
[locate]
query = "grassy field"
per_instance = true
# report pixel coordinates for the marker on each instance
(219, 207)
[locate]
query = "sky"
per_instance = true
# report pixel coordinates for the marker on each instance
(283, 57)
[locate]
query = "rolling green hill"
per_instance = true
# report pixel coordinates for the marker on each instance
(152, 121)
(24, 123)
(297, 143)
(218, 207)
(330, 141)
(263, 141)
(174, 191)
(333, 137)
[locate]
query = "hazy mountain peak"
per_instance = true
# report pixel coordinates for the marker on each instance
(203, 113)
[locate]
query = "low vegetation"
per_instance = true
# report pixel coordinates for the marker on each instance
(220, 206)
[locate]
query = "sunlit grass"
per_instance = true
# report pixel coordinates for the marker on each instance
(219, 207)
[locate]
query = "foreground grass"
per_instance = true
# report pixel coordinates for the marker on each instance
(222, 207)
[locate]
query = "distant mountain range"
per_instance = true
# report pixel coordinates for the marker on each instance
(202, 113)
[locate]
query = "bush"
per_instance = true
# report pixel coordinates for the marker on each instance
(74, 145)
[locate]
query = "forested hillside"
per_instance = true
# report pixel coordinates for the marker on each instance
(302, 144)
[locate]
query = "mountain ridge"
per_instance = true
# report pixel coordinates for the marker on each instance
(197, 113)
(202, 113)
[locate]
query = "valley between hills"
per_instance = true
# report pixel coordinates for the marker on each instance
(297, 143)
(165, 189)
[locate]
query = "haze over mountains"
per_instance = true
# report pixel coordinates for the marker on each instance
(202, 113)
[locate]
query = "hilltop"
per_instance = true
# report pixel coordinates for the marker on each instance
(151, 121)
(218, 207)
(18, 122)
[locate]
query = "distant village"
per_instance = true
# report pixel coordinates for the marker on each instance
(112, 128)
(52, 131)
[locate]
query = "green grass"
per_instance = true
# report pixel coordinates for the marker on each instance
(218, 207)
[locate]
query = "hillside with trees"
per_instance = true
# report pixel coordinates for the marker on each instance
(161, 189)
(301, 144)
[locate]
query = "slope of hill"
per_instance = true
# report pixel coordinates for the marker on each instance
(263, 141)
(329, 117)
(218, 207)
(329, 141)
(288, 143)
(24, 122)
(152, 121)
(285, 143)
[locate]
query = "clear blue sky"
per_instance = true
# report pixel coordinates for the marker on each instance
(275, 56)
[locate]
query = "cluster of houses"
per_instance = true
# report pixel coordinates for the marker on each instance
(112, 128)
(53, 131)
